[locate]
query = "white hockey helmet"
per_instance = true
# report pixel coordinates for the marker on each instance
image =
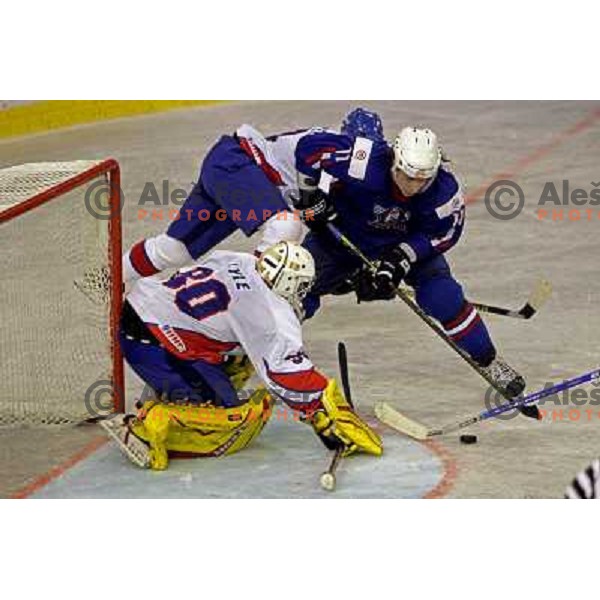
(417, 153)
(289, 270)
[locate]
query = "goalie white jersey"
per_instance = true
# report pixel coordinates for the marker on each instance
(222, 304)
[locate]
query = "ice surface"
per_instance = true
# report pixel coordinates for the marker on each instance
(286, 461)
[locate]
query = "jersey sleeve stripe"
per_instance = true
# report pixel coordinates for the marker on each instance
(453, 205)
(315, 157)
(309, 381)
(191, 345)
(443, 243)
(140, 260)
(256, 154)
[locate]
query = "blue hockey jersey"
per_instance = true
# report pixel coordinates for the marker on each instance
(372, 210)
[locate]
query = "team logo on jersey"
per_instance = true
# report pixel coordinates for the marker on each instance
(360, 155)
(297, 357)
(393, 218)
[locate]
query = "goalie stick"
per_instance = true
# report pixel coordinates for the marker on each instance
(343, 362)
(328, 479)
(135, 449)
(429, 321)
(537, 298)
(396, 420)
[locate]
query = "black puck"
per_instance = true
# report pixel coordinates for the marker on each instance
(468, 439)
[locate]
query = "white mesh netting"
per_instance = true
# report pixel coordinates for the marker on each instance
(55, 315)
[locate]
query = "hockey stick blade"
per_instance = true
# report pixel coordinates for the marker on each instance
(133, 448)
(537, 299)
(396, 420)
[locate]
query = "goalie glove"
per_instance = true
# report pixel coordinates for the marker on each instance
(338, 425)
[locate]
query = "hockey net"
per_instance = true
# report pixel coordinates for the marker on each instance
(60, 292)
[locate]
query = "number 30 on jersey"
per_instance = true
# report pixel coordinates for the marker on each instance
(198, 293)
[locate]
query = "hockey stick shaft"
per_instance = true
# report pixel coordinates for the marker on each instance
(529, 399)
(343, 363)
(335, 461)
(328, 479)
(567, 384)
(396, 420)
(542, 290)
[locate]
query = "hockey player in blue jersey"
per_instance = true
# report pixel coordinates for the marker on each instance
(237, 188)
(247, 181)
(403, 208)
(399, 205)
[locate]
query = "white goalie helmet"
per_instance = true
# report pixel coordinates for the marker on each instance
(289, 270)
(417, 153)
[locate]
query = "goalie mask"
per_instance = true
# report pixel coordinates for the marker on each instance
(289, 270)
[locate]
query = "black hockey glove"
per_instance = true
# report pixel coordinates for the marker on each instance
(316, 210)
(393, 267)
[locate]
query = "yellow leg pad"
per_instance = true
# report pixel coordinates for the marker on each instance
(204, 431)
(156, 429)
